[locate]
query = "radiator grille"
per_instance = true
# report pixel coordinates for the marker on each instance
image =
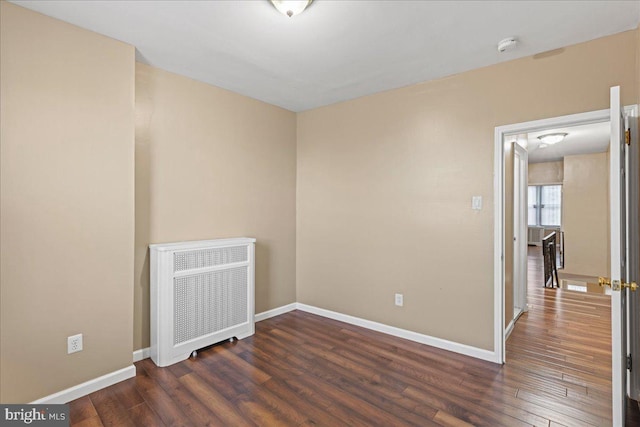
(208, 257)
(209, 302)
(535, 235)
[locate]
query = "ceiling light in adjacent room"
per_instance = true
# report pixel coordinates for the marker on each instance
(552, 138)
(291, 7)
(507, 44)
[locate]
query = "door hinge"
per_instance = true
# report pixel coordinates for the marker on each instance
(629, 363)
(627, 136)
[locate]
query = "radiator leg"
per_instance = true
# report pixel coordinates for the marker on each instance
(194, 354)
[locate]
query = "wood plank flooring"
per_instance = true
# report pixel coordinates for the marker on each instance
(563, 347)
(301, 370)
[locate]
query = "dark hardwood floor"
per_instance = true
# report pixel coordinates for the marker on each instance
(300, 369)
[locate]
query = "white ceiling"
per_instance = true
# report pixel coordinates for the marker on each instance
(337, 50)
(583, 139)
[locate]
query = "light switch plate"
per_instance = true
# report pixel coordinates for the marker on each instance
(476, 202)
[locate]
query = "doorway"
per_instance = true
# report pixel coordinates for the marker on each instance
(567, 188)
(500, 216)
(503, 260)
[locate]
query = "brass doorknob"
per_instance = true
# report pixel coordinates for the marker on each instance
(616, 285)
(604, 281)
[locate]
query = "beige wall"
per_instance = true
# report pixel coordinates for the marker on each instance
(383, 191)
(66, 216)
(385, 185)
(211, 164)
(546, 173)
(585, 214)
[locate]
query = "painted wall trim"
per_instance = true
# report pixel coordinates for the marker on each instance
(509, 329)
(107, 380)
(143, 353)
(498, 197)
(498, 245)
(88, 387)
(464, 349)
(276, 312)
(512, 324)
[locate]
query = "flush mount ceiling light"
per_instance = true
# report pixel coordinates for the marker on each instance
(291, 7)
(507, 44)
(552, 138)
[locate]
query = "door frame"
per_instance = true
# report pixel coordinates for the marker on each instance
(633, 300)
(598, 116)
(520, 262)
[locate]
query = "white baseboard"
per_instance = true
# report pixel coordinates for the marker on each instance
(88, 387)
(96, 384)
(512, 324)
(141, 354)
(509, 329)
(467, 350)
(276, 312)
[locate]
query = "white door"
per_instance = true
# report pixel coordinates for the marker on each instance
(520, 187)
(619, 260)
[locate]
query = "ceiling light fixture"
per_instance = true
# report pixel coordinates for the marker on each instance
(291, 7)
(552, 138)
(507, 44)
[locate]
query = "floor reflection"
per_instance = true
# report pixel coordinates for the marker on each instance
(581, 283)
(584, 286)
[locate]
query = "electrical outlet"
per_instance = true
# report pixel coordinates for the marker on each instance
(399, 300)
(74, 343)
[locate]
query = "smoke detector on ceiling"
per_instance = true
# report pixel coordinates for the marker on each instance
(507, 44)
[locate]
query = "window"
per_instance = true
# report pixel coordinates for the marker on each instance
(544, 205)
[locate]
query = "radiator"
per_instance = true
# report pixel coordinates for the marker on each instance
(202, 292)
(535, 235)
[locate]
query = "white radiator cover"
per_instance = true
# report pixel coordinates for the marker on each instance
(202, 292)
(535, 235)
